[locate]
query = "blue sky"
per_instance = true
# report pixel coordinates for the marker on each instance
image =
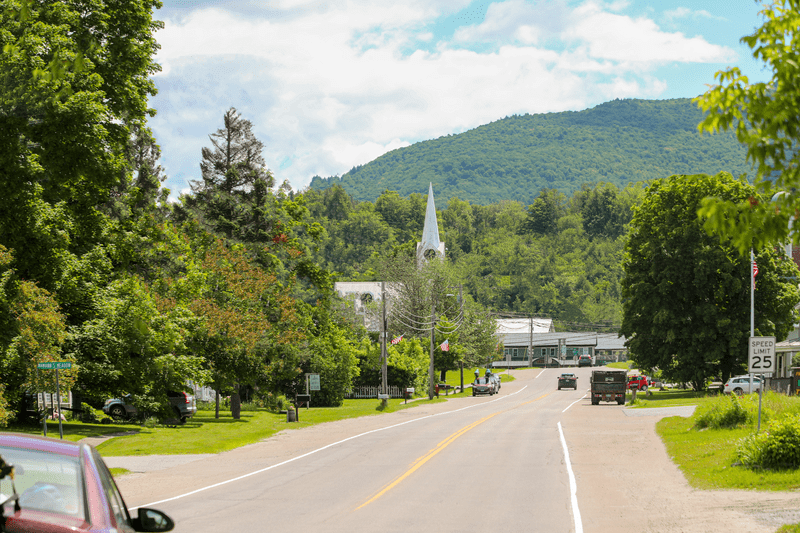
(332, 85)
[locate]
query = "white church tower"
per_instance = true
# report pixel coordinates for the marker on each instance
(430, 246)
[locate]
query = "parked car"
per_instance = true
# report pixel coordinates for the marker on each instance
(483, 385)
(120, 408)
(741, 385)
(584, 360)
(567, 381)
(62, 486)
(639, 382)
(183, 404)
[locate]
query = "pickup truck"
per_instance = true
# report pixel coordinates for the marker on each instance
(608, 386)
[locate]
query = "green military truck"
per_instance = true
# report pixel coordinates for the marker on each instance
(608, 385)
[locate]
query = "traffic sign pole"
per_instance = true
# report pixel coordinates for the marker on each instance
(58, 407)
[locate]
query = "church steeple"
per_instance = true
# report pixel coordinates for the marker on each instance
(430, 245)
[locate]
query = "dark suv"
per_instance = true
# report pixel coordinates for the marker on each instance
(183, 404)
(585, 360)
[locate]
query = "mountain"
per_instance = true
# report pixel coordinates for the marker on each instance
(620, 142)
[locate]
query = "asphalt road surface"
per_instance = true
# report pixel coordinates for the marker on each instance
(529, 459)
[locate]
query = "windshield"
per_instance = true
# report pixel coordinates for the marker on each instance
(44, 482)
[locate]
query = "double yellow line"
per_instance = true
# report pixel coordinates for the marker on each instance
(439, 447)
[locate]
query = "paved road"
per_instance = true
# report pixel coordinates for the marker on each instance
(490, 463)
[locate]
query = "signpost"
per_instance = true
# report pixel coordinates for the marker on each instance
(761, 360)
(55, 365)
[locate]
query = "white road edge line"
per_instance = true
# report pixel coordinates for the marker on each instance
(573, 486)
(573, 403)
(319, 450)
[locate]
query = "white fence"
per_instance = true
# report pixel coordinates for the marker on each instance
(372, 392)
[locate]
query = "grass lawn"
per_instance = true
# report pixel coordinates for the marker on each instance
(205, 434)
(73, 431)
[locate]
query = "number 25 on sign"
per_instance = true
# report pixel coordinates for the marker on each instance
(761, 355)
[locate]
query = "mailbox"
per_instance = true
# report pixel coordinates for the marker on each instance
(303, 398)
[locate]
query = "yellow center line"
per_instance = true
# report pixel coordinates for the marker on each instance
(439, 447)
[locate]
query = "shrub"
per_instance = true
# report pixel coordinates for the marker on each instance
(724, 412)
(776, 448)
(90, 415)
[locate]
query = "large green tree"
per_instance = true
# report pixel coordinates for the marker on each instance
(686, 294)
(766, 119)
(75, 80)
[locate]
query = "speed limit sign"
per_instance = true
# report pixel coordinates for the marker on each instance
(761, 355)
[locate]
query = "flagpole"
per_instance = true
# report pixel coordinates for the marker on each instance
(752, 295)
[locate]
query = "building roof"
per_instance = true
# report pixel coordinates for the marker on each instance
(610, 341)
(549, 339)
(523, 325)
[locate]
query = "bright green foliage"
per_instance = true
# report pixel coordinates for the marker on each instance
(686, 295)
(766, 120)
(723, 412)
(132, 346)
(619, 142)
(545, 212)
(33, 330)
(776, 448)
(5, 413)
(334, 358)
(63, 130)
(410, 357)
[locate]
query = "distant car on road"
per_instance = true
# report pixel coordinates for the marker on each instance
(64, 487)
(741, 385)
(567, 381)
(483, 385)
(639, 382)
(585, 360)
(120, 408)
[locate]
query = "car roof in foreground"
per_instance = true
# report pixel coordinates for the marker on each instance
(37, 442)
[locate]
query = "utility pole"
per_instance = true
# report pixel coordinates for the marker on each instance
(431, 390)
(384, 353)
(530, 346)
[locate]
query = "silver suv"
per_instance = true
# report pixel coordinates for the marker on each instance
(183, 404)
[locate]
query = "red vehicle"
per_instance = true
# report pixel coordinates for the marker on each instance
(639, 382)
(61, 486)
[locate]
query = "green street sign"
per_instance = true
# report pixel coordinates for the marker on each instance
(55, 365)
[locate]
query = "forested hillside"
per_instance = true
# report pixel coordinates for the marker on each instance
(617, 142)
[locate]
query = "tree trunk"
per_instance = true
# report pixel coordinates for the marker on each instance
(216, 397)
(236, 404)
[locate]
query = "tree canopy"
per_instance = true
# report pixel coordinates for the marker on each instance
(686, 294)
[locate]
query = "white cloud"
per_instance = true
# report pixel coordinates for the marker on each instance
(329, 87)
(685, 12)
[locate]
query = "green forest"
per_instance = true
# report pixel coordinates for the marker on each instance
(618, 142)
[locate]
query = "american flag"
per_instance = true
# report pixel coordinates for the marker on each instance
(755, 269)
(445, 346)
(397, 340)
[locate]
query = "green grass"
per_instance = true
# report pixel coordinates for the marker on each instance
(116, 472)
(73, 431)
(205, 434)
(669, 398)
(625, 365)
(707, 457)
